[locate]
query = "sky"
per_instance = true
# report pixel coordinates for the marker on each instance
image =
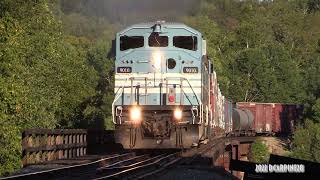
(131, 11)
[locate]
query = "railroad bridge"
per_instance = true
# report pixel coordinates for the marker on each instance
(222, 150)
(74, 149)
(41, 146)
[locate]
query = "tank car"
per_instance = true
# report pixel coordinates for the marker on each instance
(242, 122)
(162, 87)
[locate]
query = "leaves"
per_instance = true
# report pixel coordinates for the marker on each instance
(259, 152)
(56, 66)
(316, 111)
(43, 77)
(306, 142)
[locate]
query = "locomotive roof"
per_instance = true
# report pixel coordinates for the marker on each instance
(163, 24)
(148, 24)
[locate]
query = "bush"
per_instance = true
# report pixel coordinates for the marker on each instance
(259, 152)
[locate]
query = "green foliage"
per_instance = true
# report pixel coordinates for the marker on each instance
(44, 78)
(95, 112)
(316, 111)
(306, 142)
(263, 51)
(259, 152)
(10, 142)
(56, 64)
(250, 74)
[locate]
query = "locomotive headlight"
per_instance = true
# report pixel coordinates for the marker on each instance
(156, 60)
(177, 114)
(135, 114)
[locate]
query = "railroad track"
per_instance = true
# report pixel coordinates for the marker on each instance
(157, 164)
(128, 166)
(70, 171)
(139, 170)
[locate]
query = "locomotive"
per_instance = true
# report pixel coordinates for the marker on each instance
(166, 90)
(162, 86)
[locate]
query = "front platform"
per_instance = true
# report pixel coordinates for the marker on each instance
(182, 136)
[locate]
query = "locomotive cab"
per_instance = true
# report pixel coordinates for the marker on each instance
(160, 88)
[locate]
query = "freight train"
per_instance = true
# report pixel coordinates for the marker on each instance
(273, 118)
(166, 90)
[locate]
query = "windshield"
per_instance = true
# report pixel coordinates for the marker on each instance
(131, 42)
(185, 42)
(158, 41)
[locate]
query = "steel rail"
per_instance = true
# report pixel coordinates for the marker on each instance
(94, 172)
(145, 168)
(113, 167)
(58, 172)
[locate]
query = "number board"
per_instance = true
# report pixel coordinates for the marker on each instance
(190, 70)
(124, 69)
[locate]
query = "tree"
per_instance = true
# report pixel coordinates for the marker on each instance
(316, 111)
(95, 111)
(43, 77)
(306, 142)
(313, 5)
(251, 76)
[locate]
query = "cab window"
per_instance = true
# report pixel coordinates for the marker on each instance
(186, 42)
(131, 42)
(158, 41)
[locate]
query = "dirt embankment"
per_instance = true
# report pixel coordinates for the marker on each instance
(276, 145)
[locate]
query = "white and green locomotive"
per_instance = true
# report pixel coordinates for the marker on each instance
(162, 87)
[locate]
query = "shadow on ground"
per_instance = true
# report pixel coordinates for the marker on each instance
(102, 142)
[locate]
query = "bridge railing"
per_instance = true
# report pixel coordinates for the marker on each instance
(42, 145)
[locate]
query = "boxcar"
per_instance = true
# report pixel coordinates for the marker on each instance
(273, 118)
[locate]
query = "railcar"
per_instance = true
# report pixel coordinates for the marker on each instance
(162, 89)
(273, 118)
(243, 121)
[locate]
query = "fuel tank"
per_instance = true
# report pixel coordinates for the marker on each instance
(242, 119)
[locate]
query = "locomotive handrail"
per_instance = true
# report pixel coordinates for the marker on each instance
(121, 90)
(135, 78)
(189, 86)
(192, 90)
(115, 99)
(186, 96)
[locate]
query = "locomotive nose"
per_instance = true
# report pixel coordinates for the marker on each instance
(157, 60)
